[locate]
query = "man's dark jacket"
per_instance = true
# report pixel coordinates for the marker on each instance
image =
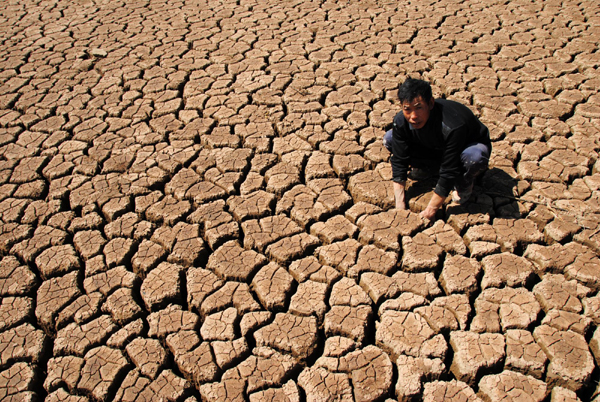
(451, 127)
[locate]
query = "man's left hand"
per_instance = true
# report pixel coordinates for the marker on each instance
(428, 213)
(434, 204)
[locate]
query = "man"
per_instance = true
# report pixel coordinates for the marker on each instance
(440, 134)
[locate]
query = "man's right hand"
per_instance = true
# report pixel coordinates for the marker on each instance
(399, 195)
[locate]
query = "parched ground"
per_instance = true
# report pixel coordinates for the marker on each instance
(195, 203)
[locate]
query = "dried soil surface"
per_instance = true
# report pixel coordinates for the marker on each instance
(196, 205)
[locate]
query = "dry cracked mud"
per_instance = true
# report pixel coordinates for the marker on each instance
(195, 203)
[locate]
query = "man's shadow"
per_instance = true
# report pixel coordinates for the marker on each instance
(496, 194)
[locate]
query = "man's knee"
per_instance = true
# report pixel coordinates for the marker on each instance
(475, 156)
(387, 140)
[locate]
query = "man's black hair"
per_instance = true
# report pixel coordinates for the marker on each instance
(412, 88)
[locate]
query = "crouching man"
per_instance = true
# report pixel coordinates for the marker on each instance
(439, 135)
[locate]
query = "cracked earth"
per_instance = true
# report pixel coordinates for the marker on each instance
(195, 203)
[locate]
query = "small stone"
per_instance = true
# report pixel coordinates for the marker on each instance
(506, 270)
(449, 391)
(17, 383)
(81, 310)
(122, 306)
(57, 260)
(346, 292)
(14, 311)
(412, 372)
(474, 353)
(507, 308)
(53, 295)
(65, 369)
(234, 294)
(351, 322)
(290, 333)
(379, 287)
(254, 320)
(171, 319)
(148, 356)
(310, 268)
(512, 385)
(102, 367)
(560, 394)
(564, 321)
(373, 259)
(369, 368)
(289, 392)
(78, 339)
(96, 52)
(341, 255)
(23, 342)
(309, 299)
(128, 332)
(385, 229)
(162, 285)
(571, 363)
(220, 326)
(460, 275)
(322, 385)
(106, 282)
(423, 283)
(554, 292)
(291, 248)
(230, 261)
(523, 354)
(264, 368)
(407, 333)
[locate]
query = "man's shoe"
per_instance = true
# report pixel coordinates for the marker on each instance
(462, 196)
(419, 174)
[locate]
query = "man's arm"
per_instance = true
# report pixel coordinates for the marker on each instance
(399, 194)
(449, 170)
(399, 161)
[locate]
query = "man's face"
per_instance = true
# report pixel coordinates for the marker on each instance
(417, 111)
